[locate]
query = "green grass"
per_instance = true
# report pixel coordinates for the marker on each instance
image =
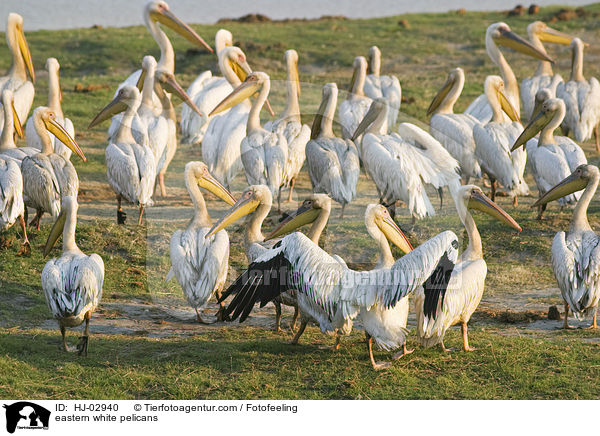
(240, 361)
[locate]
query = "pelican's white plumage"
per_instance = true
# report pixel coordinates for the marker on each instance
(17, 79)
(582, 99)
(328, 291)
(48, 177)
(494, 141)
(544, 78)
(222, 141)
(200, 264)
(402, 163)
(333, 163)
(500, 34)
(576, 253)
(72, 283)
(353, 109)
(454, 131)
(8, 148)
(545, 156)
(290, 125)
(387, 87)
(54, 103)
(206, 92)
(130, 164)
(156, 12)
(441, 305)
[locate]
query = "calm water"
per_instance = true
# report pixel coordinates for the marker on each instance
(67, 14)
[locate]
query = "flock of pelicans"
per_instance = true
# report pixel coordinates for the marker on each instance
(288, 267)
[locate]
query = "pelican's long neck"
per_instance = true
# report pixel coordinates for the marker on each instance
(255, 221)
(385, 258)
(579, 222)
(166, 103)
(511, 87)
(254, 116)
(359, 85)
(124, 134)
(380, 125)
(447, 106)
(498, 115)
(167, 55)
(227, 71)
(147, 104)
(315, 231)
(54, 92)
(17, 69)
(69, 231)
(375, 64)
(7, 140)
(40, 128)
(474, 250)
(544, 67)
(292, 109)
(201, 217)
(577, 64)
(328, 114)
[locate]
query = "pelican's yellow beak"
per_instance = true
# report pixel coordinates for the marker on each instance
(55, 232)
(370, 117)
(140, 83)
(479, 201)
(113, 108)
(555, 37)
(170, 84)
(296, 76)
(440, 96)
(246, 89)
(507, 106)
(304, 215)
(537, 123)
(571, 184)
(170, 20)
(208, 182)
(16, 121)
(59, 131)
(25, 52)
(244, 206)
(393, 233)
(510, 39)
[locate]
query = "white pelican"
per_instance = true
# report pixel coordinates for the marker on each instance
(495, 139)
(386, 324)
(329, 291)
(200, 264)
(402, 163)
(12, 206)
(8, 148)
(454, 131)
(206, 91)
(333, 163)
(290, 125)
(47, 176)
(543, 78)
(575, 255)
(388, 87)
(72, 283)
(264, 153)
(130, 166)
(54, 100)
(17, 80)
(225, 132)
(582, 98)
(547, 160)
(256, 200)
(445, 301)
(156, 12)
(353, 109)
(500, 34)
